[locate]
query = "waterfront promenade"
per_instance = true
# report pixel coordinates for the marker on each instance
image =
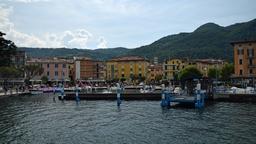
(13, 93)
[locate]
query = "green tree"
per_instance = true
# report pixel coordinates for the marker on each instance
(9, 72)
(189, 73)
(122, 79)
(227, 71)
(33, 70)
(158, 77)
(44, 79)
(7, 50)
(214, 73)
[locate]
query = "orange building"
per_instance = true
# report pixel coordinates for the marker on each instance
(244, 58)
(88, 69)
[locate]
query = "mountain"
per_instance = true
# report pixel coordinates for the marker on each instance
(207, 41)
(99, 54)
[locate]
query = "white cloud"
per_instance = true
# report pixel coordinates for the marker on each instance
(78, 38)
(102, 43)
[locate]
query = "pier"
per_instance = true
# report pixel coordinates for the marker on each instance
(235, 98)
(113, 96)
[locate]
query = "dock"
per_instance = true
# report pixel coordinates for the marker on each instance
(235, 98)
(113, 96)
(127, 96)
(14, 93)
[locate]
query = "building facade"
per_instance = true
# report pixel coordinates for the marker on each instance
(126, 68)
(155, 72)
(56, 70)
(244, 59)
(204, 65)
(172, 67)
(88, 69)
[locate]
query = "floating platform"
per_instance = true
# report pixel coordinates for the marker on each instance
(127, 96)
(113, 96)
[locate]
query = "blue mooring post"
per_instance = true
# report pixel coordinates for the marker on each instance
(118, 94)
(62, 92)
(77, 94)
(199, 97)
(166, 97)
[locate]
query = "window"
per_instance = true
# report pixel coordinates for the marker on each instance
(250, 52)
(240, 51)
(139, 74)
(173, 67)
(251, 71)
(56, 65)
(122, 75)
(64, 66)
(56, 73)
(63, 73)
(241, 72)
(240, 61)
(48, 65)
(48, 73)
(250, 62)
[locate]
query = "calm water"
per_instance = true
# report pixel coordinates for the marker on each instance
(38, 119)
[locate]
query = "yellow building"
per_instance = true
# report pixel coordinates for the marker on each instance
(128, 68)
(173, 66)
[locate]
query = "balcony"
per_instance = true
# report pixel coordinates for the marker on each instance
(251, 66)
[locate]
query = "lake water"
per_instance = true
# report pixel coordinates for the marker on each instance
(38, 119)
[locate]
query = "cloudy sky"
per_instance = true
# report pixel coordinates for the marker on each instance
(95, 24)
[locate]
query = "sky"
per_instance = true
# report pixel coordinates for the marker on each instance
(92, 24)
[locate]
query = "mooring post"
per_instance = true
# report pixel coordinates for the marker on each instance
(77, 94)
(163, 100)
(199, 99)
(118, 94)
(62, 92)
